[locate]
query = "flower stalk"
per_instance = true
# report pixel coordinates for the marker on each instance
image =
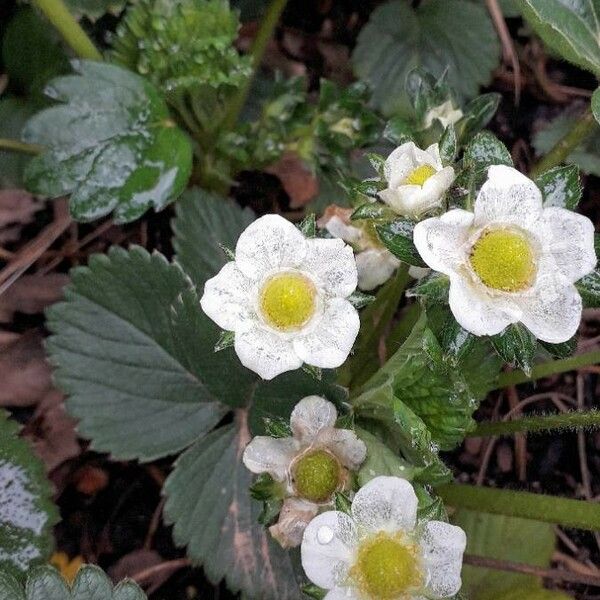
(73, 34)
(18, 146)
(540, 507)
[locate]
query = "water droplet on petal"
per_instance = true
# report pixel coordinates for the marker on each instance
(324, 535)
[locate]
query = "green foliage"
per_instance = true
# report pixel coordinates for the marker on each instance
(486, 150)
(586, 156)
(589, 288)
(109, 143)
(45, 583)
(27, 514)
(561, 187)
(399, 38)
(397, 237)
(596, 104)
(182, 45)
(477, 114)
(94, 9)
(571, 29)
(517, 346)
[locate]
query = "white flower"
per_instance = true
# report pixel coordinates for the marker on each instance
(375, 263)
(445, 113)
(417, 180)
(511, 260)
(312, 465)
(284, 296)
(380, 551)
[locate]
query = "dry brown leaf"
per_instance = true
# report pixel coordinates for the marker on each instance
(31, 294)
(297, 179)
(17, 208)
(24, 372)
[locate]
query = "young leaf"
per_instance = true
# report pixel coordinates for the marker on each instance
(110, 144)
(397, 38)
(397, 237)
(27, 513)
(485, 150)
(448, 145)
(45, 583)
(571, 29)
(516, 345)
(135, 354)
(561, 187)
(477, 114)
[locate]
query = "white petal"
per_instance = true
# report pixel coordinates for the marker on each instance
(437, 184)
(337, 228)
(266, 353)
(552, 310)
(375, 266)
(345, 593)
(351, 450)
(403, 199)
(329, 345)
(442, 547)
(294, 516)
(328, 548)
(479, 311)
(508, 197)
(226, 299)
(269, 243)
(270, 455)
(440, 240)
(570, 239)
(399, 164)
(332, 263)
(386, 504)
(434, 152)
(310, 415)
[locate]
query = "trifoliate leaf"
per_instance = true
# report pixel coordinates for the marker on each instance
(215, 517)
(571, 29)
(203, 224)
(586, 156)
(485, 150)
(94, 9)
(517, 346)
(110, 144)
(561, 187)
(135, 354)
(397, 237)
(182, 44)
(45, 583)
(27, 513)
(398, 38)
(589, 288)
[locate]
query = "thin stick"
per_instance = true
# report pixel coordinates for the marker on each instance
(18, 146)
(171, 565)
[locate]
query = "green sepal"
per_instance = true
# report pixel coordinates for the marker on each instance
(314, 591)
(589, 288)
(359, 299)
(433, 288)
(226, 340)
(377, 162)
(448, 145)
(563, 350)
(561, 187)
(308, 226)
(314, 372)
(270, 511)
(372, 210)
(397, 237)
(277, 427)
(342, 502)
(516, 345)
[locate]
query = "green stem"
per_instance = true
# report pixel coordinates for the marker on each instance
(540, 507)
(58, 14)
(584, 127)
(533, 423)
(259, 46)
(546, 369)
(18, 146)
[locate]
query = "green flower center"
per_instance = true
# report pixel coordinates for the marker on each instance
(288, 301)
(316, 475)
(420, 175)
(386, 567)
(504, 260)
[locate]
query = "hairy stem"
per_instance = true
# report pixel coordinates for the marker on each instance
(550, 509)
(583, 128)
(550, 368)
(531, 424)
(18, 146)
(259, 46)
(58, 14)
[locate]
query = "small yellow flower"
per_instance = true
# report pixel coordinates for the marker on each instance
(68, 568)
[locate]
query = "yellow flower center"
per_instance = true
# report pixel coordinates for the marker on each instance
(316, 475)
(288, 301)
(504, 260)
(420, 175)
(387, 567)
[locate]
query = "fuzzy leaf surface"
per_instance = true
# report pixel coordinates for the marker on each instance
(110, 143)
(561, 187)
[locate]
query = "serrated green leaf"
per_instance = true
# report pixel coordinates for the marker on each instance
(203, 223)
(45, 583)
(398, 38)
(503, 538)
(110, 144)
(516, 345)
(214, 516)
(561, 187)
(226, 340)
(589, 288)
(27, 513)
(134, 352)
(586, 156)
(485, 150)
(397, 237)
(571, 29)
